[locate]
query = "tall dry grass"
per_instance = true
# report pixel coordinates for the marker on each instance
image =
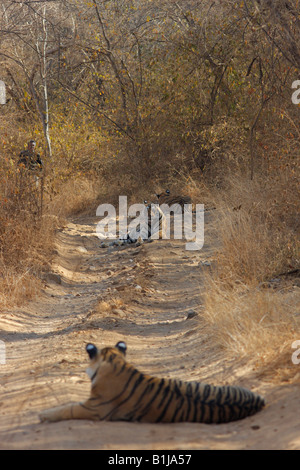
(26, 249)
(73, 196)
(251, 301)
(29, 218)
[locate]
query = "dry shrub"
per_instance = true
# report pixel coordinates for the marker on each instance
(257, 223)
(256, 227)
(252, 249)
(258, 323)
(17, 287)
(26, 238)
(26, 247)
(27, 234)
(246, 320)
(73, 196)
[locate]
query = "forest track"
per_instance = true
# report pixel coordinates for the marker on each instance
(150, 297)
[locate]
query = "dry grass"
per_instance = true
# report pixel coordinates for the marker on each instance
(16, 288)
(257, 223)
(74, 196)
(260, 324)
(27, 235)
(253, 249)
(252, 308)
(246, 320)
(26, 247)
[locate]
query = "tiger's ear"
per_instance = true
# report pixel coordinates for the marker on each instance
(92, 350)
(167, 191)
(121, 347)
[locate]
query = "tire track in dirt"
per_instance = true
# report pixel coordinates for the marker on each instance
(149, 296)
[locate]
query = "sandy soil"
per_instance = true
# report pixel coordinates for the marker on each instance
(150, 297)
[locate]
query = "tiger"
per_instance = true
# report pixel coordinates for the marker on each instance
(154, 227)
(178, 203)
(120, 392)
(166, 198)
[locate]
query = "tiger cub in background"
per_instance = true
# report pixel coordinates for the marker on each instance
(166, 198)
(120, 392)
(154, 228)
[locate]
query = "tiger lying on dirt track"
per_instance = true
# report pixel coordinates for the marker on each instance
(167, 198)
(154, 226)
(120, 392)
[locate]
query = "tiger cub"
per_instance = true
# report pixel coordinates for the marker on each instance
(155, 227)
(152, 227)
(120, 392)
(166, 198)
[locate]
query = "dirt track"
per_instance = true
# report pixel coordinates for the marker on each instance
(150, 297)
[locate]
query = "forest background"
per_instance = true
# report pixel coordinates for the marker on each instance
(128, 97)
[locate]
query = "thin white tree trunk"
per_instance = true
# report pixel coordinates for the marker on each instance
(44, 79)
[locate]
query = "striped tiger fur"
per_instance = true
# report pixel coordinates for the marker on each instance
(166, 198)
(154, 228)
(120, 392)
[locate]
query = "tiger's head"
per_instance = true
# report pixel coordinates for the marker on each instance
(166, 193)
(99, 358)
